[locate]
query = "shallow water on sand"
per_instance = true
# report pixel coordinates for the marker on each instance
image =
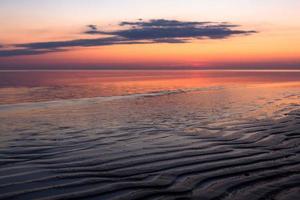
(41, 86)
(219, 137)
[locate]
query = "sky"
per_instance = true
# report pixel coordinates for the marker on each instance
(113, 34)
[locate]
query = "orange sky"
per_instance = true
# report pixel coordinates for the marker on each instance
(276, 43)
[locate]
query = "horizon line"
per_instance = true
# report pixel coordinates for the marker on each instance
(152, 69)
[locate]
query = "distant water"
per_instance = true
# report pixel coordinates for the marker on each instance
(150, 135)
(40, 86)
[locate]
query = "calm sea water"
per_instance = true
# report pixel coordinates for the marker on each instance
(40, 86)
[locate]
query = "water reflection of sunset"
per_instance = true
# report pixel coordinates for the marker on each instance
(49, 85)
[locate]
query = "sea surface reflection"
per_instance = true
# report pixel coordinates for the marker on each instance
(39, 86)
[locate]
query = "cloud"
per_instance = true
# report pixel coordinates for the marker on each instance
(137, 32)
(92, 27)
(26, 52)
(166, 29)
(50, 47)
(161, 23)
(78, 43)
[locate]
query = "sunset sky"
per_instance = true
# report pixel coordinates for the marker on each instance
(107, 34)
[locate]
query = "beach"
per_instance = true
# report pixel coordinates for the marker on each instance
(219, 136)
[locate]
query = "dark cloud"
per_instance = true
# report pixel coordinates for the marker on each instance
(77, 43)
(159, 23)
(170, 40)
(92, 27)
(26, 52)
(166, 29)
(138, 32)
(49, 47)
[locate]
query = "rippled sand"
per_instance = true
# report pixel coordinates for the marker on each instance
(215, 143)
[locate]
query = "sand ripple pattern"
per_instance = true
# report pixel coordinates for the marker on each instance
(253, 160)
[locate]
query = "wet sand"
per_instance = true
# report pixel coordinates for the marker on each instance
(218, 143)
